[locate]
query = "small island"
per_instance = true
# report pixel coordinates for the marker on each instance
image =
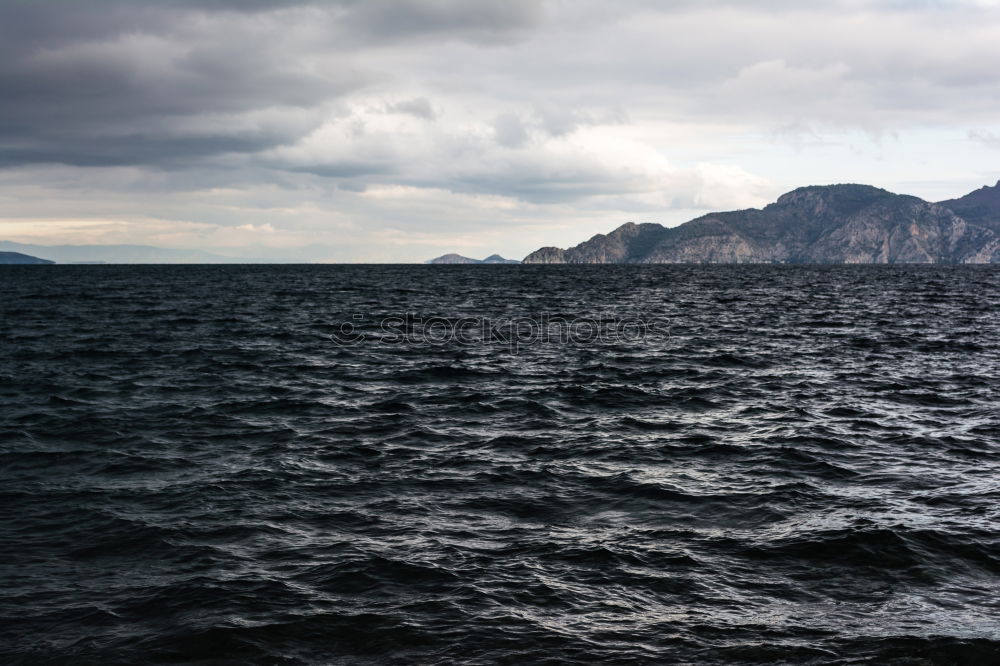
(459, 259)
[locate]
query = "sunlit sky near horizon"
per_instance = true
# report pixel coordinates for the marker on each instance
(399, 130)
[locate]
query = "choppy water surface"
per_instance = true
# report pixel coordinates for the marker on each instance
(802, 469)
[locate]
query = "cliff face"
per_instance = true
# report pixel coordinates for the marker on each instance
(896, 231)
(836, 224)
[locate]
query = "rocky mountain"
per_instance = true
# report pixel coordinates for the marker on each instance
(981, 207)
(18, 258)
(459, 259)
(833, 224)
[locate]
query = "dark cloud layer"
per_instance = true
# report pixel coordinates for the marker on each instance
(116, 82)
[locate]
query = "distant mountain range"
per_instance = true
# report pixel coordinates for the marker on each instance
(828, 224)
(19, 258)
(833, 224)
(117, 254)
(459, 259)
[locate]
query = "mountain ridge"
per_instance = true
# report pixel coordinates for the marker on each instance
(19, 258)
(124, 254)
(821, 224)
(114, 254)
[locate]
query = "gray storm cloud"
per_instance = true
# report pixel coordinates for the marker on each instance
(117, 83)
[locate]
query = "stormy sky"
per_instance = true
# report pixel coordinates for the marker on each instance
(397, 130)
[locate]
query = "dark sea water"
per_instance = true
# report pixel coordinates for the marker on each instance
(794, 465)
